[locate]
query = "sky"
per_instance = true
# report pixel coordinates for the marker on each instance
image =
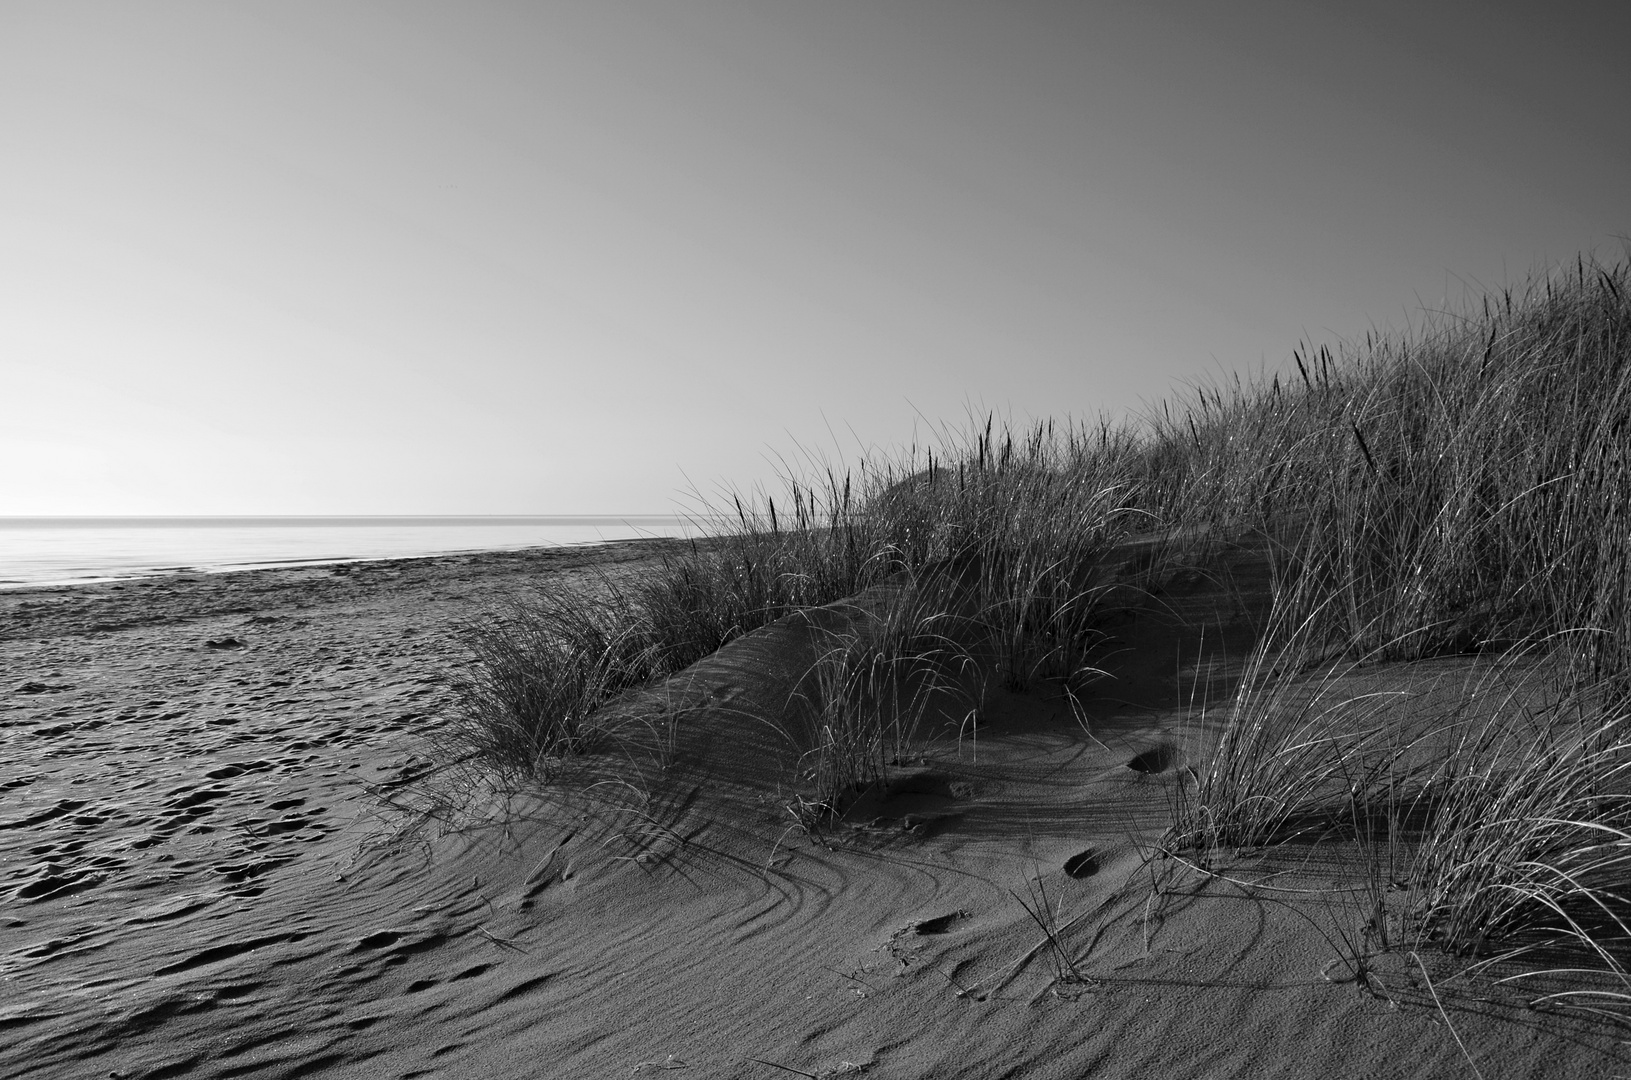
(550, 258)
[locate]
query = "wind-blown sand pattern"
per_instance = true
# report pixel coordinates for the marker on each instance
(202, 874)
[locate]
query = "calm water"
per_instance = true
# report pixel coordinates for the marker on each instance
(42, 551)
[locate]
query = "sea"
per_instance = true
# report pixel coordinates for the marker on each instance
(79, 550)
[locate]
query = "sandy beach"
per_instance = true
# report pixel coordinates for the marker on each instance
(183, 793)
(591, 541)
(204, 876)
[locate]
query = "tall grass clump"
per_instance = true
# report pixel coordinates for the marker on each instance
(1300, 751)
(546, 663)
(1006, 541)
(1529, 842)
(1456, 490)
(1489, 498)
(543, 667)
(1015, 535)
(1464, 485)
(1462, 489)
(869, 692)
(761, 563)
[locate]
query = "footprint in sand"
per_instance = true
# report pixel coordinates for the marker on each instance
(1082, 864)
(1157, 759)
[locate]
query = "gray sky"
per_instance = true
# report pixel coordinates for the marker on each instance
(573, 258)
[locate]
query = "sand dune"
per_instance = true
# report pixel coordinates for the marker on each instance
(203, 875)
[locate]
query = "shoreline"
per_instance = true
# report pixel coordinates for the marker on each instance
(186, 570)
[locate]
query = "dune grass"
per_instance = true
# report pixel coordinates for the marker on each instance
(1529, 842)
(868, 693)
(1298, 752)
(1462, 485)
(544, 666)
(1460, 489)
(999, 554)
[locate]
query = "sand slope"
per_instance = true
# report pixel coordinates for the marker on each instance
(200, 880)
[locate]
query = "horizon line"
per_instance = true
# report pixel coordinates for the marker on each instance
(81, 520)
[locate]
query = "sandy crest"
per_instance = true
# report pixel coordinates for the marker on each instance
(200, 883)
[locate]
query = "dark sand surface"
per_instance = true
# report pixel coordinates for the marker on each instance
(199, 877)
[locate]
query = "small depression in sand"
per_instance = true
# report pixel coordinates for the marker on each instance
(1157, 759)
(923, 801)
